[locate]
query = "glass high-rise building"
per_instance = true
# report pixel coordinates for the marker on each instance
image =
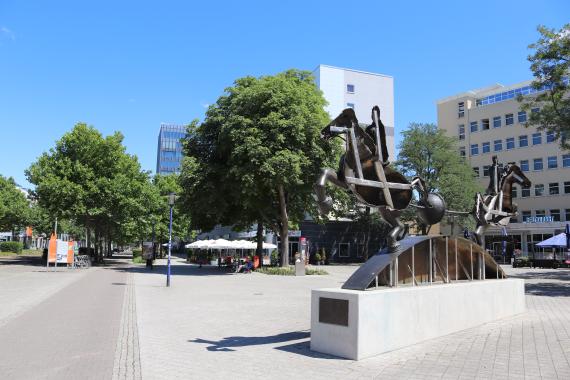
(169, 154)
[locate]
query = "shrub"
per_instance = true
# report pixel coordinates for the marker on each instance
(319, 272)
(286, 271)
(137, 256)
(11, 246)
(318, 257)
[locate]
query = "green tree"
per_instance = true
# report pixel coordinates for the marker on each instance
(427, 152)
(91, 180)
(14, 206)
(257, 154)
(550, 65)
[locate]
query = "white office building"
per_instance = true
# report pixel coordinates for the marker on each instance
(360, 90)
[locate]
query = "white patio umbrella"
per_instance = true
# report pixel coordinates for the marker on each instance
(269, 246)
(200, 244)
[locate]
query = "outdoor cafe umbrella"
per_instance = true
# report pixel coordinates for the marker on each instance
(555, 241)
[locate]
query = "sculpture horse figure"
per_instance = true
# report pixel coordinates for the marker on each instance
(364, 171)
(496, 207)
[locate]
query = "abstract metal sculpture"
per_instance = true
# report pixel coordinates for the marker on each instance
(496, 207)
(364, 171)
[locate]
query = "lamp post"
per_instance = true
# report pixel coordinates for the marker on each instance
(171, 200)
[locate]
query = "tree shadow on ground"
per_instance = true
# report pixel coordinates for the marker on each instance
(22, 260)
(229, 343)
(562, 274)
(179, 270)
(548, 289)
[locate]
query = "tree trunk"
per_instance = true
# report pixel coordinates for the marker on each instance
(259, 236)
(284, 228)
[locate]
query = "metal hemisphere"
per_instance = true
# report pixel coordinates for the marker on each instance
(433, 211)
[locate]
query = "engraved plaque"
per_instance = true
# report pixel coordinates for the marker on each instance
(333, 311)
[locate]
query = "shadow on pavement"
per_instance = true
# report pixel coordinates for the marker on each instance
(562, 274)
(548, 289)
(22, 260)
(304, 348)
(227, 344)
(179, 270)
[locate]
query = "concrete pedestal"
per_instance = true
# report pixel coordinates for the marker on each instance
(299, 268)
(358, 324)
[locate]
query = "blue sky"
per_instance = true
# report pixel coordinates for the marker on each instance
(130, 65)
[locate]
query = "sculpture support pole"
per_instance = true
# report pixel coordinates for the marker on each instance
(430, 262)
(413, 266)
(447, 259)
(456, 263)
(471, 259)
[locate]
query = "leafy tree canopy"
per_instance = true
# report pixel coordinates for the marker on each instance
(427, 152)
(14, 206)
(550, 65)
(257, 154)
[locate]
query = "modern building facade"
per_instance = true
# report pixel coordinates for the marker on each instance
(169, 152)
(360, 90)
(489, 122)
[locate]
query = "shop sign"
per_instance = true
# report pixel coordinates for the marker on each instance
(539, 219)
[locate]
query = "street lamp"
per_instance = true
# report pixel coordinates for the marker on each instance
(171, 200)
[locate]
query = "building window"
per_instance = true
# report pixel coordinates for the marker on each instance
(540, 213)
(461, 131)
(523, 141)
(566, 160)
(350, 88)
(555, 214)
(498, 145)
(497, 122)
(538, 190)
(474, 149)
(567, 214)
(460, 109)
(474, 126)
(486, 147)
(526, 215)
(524, 165)
(552, 162)
(351, 105)
(511, 143)
(462, 151)
(553, 188)
(537, 164)
(567, 187)
(514, 192)
(344, 249)
(486, 169)
(536, 138)
(509, 119)
(484, 124)
(550, 137)
(522, 116)
(476, 170)
(525, 192)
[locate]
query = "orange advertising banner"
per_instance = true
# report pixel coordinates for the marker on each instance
(52, 249)
(70, 252)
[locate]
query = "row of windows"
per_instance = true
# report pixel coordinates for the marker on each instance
(554, 213)
(509, 143)
(539, 190)
(484, 124)
(537, 164)
(170, 145)
(506, 95)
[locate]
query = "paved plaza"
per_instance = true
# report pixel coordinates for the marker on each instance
(121, 322)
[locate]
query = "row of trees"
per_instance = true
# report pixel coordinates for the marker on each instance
(90, 180)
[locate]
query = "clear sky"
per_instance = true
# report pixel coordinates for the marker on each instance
(130, 65)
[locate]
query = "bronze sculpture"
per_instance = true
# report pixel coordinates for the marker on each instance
(364, 171)
(496, 207)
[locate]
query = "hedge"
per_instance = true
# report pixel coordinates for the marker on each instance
(11, 246)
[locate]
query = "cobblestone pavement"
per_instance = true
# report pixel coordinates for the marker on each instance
(68, 331)
(127, 360)
(211, 324)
